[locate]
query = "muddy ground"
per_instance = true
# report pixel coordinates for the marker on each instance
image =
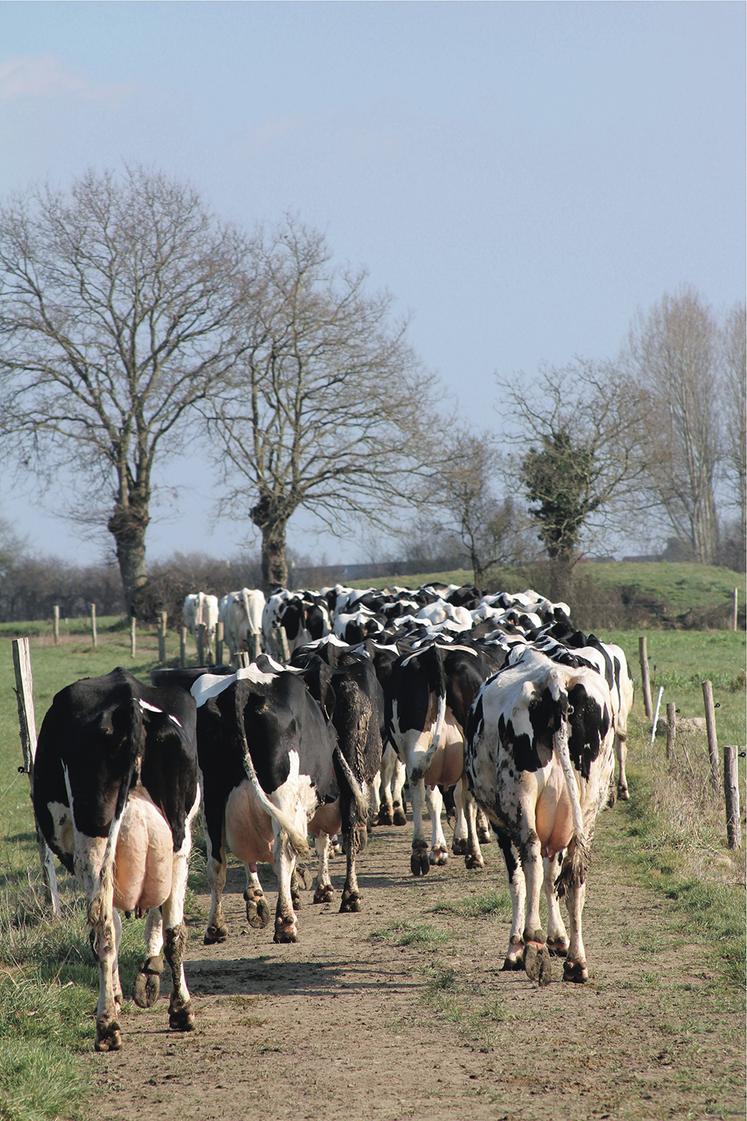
(402, 1011)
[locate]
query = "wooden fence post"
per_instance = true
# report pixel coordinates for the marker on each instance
(645, 680)
(710, 716)
(56, 623)
(671, 730)
(27, 729)
(94, 637)
(200, 635)
(734, 609)
(182, 646)
(219, 639)
(162, 624)
(133, 636)
(243, 657)
(731, 791)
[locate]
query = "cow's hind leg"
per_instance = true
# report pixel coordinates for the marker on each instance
(351, 896)
(398, 791)
(536, 954)
(459, 844)
(514, 958)
(484, 835)
(324, 891)
(148, 979)
(181, 1016)
(557, 939)
(473, 857)
(216, 930)
(574, 966)
(439, 854)
(257, 911)
(286, 926)
(419, 863)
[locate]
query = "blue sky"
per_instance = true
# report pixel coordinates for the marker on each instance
(522, 177)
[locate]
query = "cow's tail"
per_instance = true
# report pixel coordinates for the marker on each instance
(361, 801)
(297, 840)
(576, 860)
(353, 715)
(433, 664)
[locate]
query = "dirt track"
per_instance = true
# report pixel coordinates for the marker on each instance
(346, 1023)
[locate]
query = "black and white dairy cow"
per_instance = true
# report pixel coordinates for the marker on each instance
(115, 792)
(428, 695)
(539, 759)
(292, 619)
(272, 770)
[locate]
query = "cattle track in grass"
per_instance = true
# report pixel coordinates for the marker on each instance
(371, 1015)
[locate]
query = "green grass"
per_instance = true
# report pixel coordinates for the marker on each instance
(410, 934)
(491, 904)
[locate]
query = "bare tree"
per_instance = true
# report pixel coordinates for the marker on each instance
(323, 410)
(674, 354)
(735, 410)
(116, 309)
(576, 460)
(463, 494)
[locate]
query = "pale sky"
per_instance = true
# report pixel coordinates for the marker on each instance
(521, 176)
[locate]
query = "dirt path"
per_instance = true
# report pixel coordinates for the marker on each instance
(401, 1011)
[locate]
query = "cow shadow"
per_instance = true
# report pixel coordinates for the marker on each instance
(268, 976)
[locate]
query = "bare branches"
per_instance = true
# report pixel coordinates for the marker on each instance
(324, 406)
(117, 313)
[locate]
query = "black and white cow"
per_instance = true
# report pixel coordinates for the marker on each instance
(539, 759)
(428, 696)
(115, 792)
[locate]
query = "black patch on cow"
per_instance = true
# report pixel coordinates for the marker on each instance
(588, 727)
(529, 753)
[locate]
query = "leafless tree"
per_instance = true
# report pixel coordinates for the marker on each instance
(464, 495)
(324, 408)
(674, 354)
(575, 455)
(117, 301)
(735, 410)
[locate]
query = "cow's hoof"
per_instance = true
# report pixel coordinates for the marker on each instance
(350, 903)
(537, 963)
(324, 893)
(474, 860)
(484, 836)
(108, 1035)
(285, 934)
(419, 863)
(512, 963)
(146, 989)
(439, 856)
(257, 911)
(623, 793)
(557, 947)
(215, 934)
(399, 817)
(385, 816)
(575, 971)
(182, 1018)
(459, 846)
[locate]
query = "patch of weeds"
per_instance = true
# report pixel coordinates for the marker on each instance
(410, 934)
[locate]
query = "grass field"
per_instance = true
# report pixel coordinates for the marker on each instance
(47, 976)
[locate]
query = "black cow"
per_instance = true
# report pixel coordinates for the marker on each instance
(115, 791)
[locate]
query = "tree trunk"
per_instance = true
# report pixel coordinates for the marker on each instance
(274, 564)
(127, 526)
(561, 570)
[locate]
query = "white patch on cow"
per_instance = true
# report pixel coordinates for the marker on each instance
(62, 825)
(149, 707)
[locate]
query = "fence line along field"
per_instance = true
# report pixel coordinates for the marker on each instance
(403, 1007)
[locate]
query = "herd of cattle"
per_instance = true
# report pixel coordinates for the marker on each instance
(495, 703)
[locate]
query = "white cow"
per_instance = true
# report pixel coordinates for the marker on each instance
(241, 613)
(201, 609)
